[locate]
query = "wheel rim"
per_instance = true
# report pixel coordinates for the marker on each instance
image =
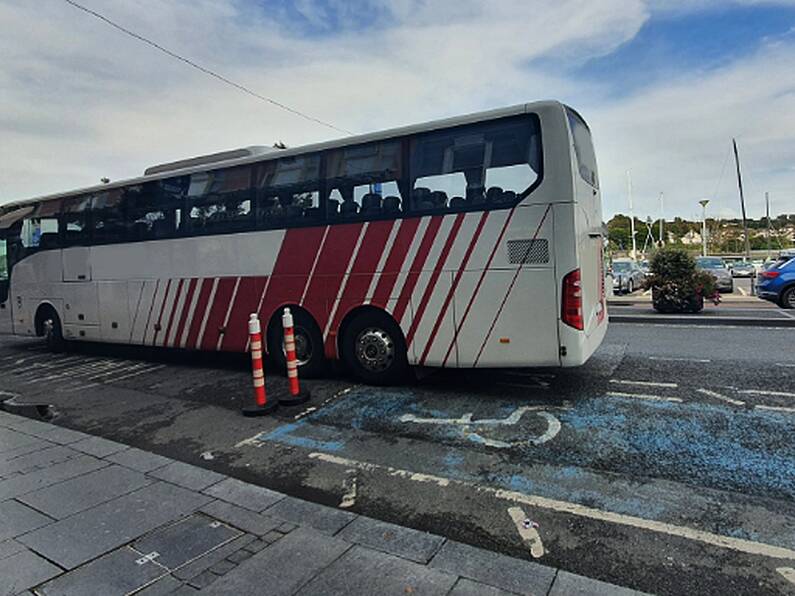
(791, 298)
(631, 287)
(375, 349)
(303, 346)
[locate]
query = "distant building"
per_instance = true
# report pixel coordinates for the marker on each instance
(691, 238)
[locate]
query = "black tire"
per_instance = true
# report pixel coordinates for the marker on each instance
(308, 342)
(630, 287)
(788, 298)
(374, 350)
(53, 331)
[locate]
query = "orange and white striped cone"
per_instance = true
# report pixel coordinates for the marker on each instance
(261, 405)
(297, 396)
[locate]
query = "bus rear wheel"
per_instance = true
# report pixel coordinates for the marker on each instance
(374, 350)
(308, 344)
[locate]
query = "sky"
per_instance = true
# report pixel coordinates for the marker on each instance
(665, 85)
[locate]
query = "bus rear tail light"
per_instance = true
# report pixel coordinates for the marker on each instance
(572, 301)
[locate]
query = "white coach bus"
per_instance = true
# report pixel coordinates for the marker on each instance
(468, 242)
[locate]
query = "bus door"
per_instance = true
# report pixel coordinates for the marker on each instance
(81, 307)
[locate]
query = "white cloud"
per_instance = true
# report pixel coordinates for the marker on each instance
(79, 100)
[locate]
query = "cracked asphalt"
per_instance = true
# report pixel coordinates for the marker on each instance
(665, 464)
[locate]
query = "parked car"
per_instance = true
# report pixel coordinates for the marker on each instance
(627, 276)
(742, 269)
(717, 267)
(777, 283)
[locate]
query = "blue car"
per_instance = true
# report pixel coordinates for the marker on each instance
(777, 282)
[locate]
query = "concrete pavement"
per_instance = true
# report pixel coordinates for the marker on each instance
(80, 514)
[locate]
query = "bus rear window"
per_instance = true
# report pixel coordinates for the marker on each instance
(583, 147)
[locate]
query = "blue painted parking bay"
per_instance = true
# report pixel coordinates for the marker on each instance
(658, 460)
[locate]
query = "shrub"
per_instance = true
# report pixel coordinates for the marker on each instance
(676, 284)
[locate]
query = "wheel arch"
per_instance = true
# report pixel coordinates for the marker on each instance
(276, 317)
(42, 310)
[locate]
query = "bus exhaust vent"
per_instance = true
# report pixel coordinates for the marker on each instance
(528, 252)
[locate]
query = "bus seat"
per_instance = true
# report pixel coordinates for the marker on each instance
(392, 205)
(421, 198)
(438, 199)
(457, 203)
(371, 203)
(333, 208)
(494, 194)
(508, 196)
(475, 195)
(349, 209)
(48, 240)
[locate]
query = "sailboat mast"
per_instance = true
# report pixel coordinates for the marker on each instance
(742, 200)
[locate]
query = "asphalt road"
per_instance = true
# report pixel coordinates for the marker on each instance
(665, 464)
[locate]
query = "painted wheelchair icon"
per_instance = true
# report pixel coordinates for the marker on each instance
(467, 424)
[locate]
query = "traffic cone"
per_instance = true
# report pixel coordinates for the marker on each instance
(261, 405)
(297, 396)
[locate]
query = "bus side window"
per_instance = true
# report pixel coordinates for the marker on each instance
(108, 222)
(75, 229)
(288, 192)
(478, 166)
(148, 216)
(365, 181)
(220, 201)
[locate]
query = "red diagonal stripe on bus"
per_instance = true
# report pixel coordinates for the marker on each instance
(394, 262)
(510, 287)
(484, 216)
(198, 313)
(416, 267)
(477, 286)
(160, 316)
(291, 270)
(248, 293)
(330, 270)
(362, 271)
(215, 318)
(173, 311)
(185, 311)
(151, 308)
(437, 271)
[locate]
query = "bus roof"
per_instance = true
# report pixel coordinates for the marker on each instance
(326, 145)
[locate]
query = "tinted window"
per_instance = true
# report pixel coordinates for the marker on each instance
(220, 201)
(583, 148)
(151, 213)
(708, 263)
(288, 191)
(108, 219)
(40, 230)
(3, 260)
(487, 165)
(75, 221)
(365, 180)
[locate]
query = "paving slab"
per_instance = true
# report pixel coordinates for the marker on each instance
(248, 521)
(569, 584)
(323, 519)
(97, 446)
(50, 454)
(185, 540)
(243, 494)
(188, 476)
(362, 572)
(10, 547)
(494, 569)
(86, 535)
(21, 484)
(141, 461)
(404, 542)
(283, 567)
(119, 572)
(23, 571)
(201, 564)
(12, 441)
(16, 519)
(165, 585)
(466, 587)
(86, 491)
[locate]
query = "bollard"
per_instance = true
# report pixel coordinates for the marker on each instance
(297, 396)
(261, 405)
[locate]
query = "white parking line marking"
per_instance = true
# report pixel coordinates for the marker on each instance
(528, 531)
(643, 396)
(771, 393)
(734, 402)
(776, 409)
(742, 291)
(785, 365)
(644, 383)
(736, 544)
(350, 486)
(788, 573)
(663, 359)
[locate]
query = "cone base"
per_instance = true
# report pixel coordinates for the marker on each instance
(295, 400)
(260, 410)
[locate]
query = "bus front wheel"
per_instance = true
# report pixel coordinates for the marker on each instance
(50, 327)
(308, 344)
(374, 350)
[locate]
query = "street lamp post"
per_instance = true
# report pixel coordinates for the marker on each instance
(704, 203)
